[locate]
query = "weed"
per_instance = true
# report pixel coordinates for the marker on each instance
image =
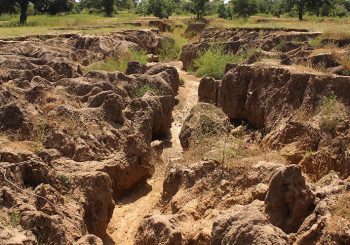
(147, 88)
(14, 218)
(64, 178)
(212, 62)
(182, 82)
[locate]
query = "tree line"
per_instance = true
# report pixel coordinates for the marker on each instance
(165, 8)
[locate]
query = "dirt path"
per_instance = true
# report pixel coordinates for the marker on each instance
(130, 210)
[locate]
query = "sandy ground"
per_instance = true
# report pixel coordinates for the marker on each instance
(131, 209)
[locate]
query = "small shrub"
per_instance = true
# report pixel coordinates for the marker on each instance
(212, 62)
(182, 82)
(14, 218)
(332, 112)
(147, 88)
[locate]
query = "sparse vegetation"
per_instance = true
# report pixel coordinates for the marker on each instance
(14, 218)
(182, 82)
(212, 62)
(114, 63)
(316, 42)
(64, 179)
(332, 112)
(342, 207)
(147, 88)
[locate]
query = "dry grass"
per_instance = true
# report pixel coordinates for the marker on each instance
(235, 151)
(10, 142)
(342, 207)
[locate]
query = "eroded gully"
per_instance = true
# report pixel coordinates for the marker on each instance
(131, 209)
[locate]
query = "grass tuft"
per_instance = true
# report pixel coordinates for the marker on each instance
(147, 88)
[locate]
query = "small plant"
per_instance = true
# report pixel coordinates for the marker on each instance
(147, 88)
(182, 82)
(14, 218)
(212, 62)
(64, 178)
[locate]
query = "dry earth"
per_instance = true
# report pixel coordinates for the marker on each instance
(260, 156)
(130, 210)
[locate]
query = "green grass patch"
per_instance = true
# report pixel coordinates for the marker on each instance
(147, 88)
(14, 218)
(115, 63)
(171, 48)
(316, 42)
(212, 62)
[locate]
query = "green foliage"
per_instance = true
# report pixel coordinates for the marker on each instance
(316, 42)
(108, 6)
(224, 11)
(53, 6)
(199, 8)
(8, 7)
(64, 179)
(182, 82)
(244, 8)
(114, 63)
(161, 8)
(142, 8)
(332, 112)
(14, 218)
(169, 51)
(147, 88)
(212, 62)
(278, 8)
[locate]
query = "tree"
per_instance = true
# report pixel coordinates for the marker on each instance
(109, 7)
(53, 6)
(161, 8)
(8, 7)
(199, 8)
(224, 11)
(244, 8)
(23, 6)
(278, 8)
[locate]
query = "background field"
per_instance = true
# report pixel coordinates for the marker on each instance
(99, 24)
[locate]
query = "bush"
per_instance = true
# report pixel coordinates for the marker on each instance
(212, 62)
